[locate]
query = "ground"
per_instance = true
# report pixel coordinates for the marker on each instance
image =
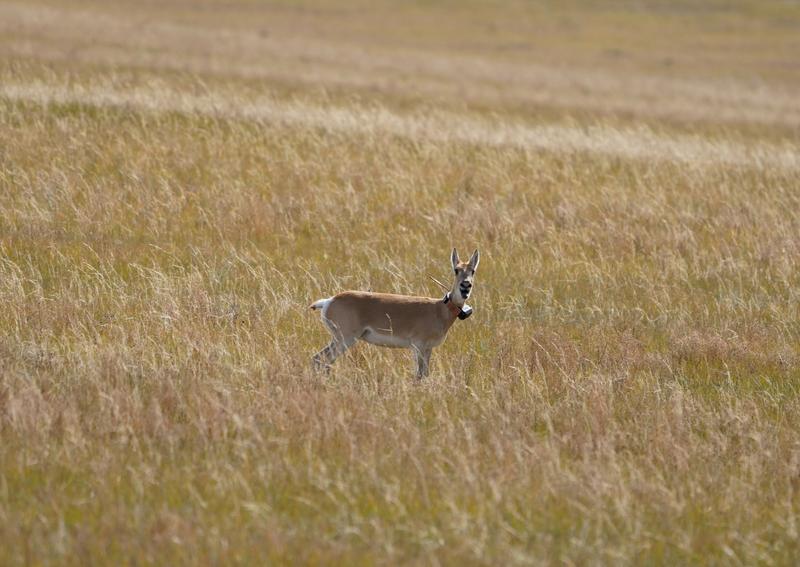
(180, 180)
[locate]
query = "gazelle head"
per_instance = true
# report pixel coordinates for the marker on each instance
(464, 276)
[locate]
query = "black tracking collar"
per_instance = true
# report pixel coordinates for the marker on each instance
(464, 312)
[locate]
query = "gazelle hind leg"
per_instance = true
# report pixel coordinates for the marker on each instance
(337, 347)
(327, 356)
(320, 360)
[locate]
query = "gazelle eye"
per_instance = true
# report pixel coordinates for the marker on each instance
(457, 271)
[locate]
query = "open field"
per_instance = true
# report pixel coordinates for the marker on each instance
(179, 180)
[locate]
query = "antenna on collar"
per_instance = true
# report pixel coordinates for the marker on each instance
(437, 282)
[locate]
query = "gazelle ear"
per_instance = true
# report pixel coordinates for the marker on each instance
(454, 259)
(475, 260)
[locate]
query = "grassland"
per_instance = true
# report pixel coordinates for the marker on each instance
(178, 180)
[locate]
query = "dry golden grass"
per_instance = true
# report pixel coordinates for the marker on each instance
(179, 180)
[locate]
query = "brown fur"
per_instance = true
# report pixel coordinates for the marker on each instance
(426, 319)
(398, 321)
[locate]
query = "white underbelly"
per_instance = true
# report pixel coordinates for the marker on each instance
(385, 339)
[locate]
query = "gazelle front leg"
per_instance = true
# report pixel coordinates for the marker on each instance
(423, 356)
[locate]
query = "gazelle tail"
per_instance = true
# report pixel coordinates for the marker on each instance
(320, 303)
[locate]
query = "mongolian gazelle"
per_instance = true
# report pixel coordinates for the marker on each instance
(399, 321)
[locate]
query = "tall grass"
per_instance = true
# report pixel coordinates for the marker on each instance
(627, 391)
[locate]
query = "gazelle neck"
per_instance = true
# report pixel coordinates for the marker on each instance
(461, 312)
(454, 298)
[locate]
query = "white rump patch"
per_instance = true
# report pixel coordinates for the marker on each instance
(322, 304)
